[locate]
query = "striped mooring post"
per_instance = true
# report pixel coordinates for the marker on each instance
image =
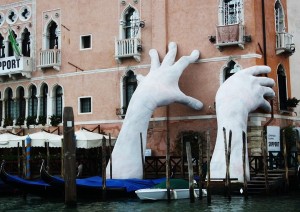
(28, 147)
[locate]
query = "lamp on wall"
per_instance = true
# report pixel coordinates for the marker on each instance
(212, 38)
(293, 47)
(137, 25)
(139, 48)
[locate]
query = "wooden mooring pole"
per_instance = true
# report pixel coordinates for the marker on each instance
(69, 146)
(245, 191)
(190, 171)
(208, 168)
(227, 159)
(285, 162)
(103, 168)
(142, 155)
(200, 164)
(264, 152)
(110, 157)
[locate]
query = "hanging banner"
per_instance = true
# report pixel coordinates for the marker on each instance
(273, 138)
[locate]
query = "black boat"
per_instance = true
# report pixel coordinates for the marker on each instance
(36, 187)
(92, 186)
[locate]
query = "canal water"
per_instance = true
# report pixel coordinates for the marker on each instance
(286, 203)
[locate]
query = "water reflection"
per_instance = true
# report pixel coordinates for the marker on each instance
(289, 202)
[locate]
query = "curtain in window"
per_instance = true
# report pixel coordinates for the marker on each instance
(279, 17)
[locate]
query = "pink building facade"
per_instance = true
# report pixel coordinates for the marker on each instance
(87, 54)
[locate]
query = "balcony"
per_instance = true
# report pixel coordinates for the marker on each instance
(10, 66)
(284, 43)
(128, 48)
(50, 58)
(230, 35)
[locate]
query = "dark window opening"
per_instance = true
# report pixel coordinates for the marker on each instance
(86, 42)
(128, 27)
(58, 101)
(26, 43)
(2, 47)
(229, 70)
(130, 84)
(282, 88)
(86, 105)
(53, 39)
(43, 108)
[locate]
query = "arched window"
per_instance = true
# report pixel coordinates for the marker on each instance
(9, 106)
(230, 12)
(10, 48)
(129, 86)
(2, 47)
(58, 101)
(279, 17)
(53, 38)
(281, 77)
(43, 102)
(230, 69)
(32, 102)
(21, 103)
(26, 43)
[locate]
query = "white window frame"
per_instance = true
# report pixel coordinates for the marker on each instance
(279, 17)
(81, 43)
(79, 105)
(222, 13)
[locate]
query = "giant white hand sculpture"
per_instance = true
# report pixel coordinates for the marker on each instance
(242, 93)
(158, 88)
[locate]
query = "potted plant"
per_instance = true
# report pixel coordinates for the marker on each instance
(30, 120)
(8, 121)
(55, 120)
(292, 102)
(42, 120)
(20, 121)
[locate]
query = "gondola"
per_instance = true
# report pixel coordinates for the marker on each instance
(92, 186)
(36, 187)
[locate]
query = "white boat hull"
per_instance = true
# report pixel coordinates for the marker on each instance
(160, 194)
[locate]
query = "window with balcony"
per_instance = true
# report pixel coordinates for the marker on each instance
(32, 101)
(282, 90)
(284, 40)
(50, 55)
(2, 47)
(129, 43)
(230, 30)
(26, 43)
(85, 105)
(10, 47)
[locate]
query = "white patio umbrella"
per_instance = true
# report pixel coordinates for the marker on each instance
(39, 139)
(86, 139)
(8, 140)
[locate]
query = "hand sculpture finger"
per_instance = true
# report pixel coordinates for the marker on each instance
(268, 92)
(265, 105)
(256, 70)
(171, 55)
(154, 59)
(190, 101)
(264, 81)
(184, 61)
